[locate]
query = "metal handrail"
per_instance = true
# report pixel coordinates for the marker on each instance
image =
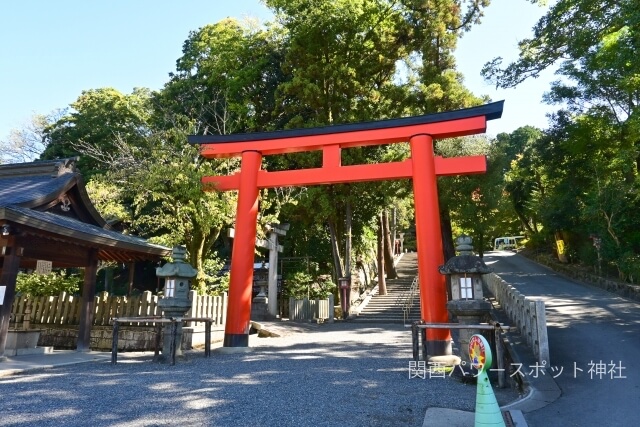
(419, 329)
(408, 298)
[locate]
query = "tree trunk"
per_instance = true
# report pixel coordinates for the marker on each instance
(361, 266)
(347, 254)
(448, 247)
(196, 256)
(335, 251)
(382, 284)
(108, 279)
(395, 230)
(480, 245)
(388, 248)
(347, 245)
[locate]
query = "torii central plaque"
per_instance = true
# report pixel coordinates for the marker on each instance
(423, 167)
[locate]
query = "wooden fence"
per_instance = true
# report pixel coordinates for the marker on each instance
(306, 309)
(64, 309)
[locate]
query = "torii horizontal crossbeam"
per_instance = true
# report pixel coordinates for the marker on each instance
(469, 121)
(355, 173)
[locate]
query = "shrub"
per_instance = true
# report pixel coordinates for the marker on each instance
(47, 284)
(301, 285)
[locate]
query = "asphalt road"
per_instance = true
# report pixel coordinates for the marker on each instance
(594, 344)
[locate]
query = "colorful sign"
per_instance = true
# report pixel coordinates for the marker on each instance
(479, 353)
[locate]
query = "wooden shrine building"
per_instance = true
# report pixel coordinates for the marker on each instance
(46, 215)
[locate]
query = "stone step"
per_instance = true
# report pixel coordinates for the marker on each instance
(389, 308)
(387, 317)
(393, 298)
(383, 316)
(386, 301)
(386, 314)
(373, 303)
(375, 300)
(397, 320)
(382, 313)
(383, 307)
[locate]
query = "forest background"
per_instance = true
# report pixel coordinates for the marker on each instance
(319, 63)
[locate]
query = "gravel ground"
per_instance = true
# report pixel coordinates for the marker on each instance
(316, 375)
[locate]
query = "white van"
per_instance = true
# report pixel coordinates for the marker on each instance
(506, 242)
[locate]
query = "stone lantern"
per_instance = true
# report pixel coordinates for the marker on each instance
(175, 302)
(467, 303)
(261, 280)
(259, 305)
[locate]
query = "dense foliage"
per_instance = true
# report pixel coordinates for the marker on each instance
(36, 285)
(578, 180)
(326, 62)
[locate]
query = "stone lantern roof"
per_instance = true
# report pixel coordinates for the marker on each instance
(466, 262)
(177, 268)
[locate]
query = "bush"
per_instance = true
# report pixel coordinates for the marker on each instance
(47, 284)
(216, 278)
(301, 285)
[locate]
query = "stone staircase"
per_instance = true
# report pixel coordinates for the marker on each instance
(389, 308)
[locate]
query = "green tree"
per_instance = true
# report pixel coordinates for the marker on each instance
(344, 62)
(35, 285)
(225, 81)
(95, 123)
(524, 177)
(591, 154)
(472, 200)
(160, 181)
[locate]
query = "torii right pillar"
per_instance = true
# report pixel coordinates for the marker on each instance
(433, 297)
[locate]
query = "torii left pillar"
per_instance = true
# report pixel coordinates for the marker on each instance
(236, 333)
(429, 244)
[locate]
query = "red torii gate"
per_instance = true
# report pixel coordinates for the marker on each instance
(423, 167)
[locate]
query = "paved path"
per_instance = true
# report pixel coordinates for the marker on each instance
(588, 329)
(343, 374)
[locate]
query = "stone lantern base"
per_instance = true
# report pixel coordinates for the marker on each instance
(260, 310)
(468, 312)
(172, 310)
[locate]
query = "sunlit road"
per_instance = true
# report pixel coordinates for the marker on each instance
(594, 337)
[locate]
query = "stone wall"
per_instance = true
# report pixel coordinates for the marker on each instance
(130, 338)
